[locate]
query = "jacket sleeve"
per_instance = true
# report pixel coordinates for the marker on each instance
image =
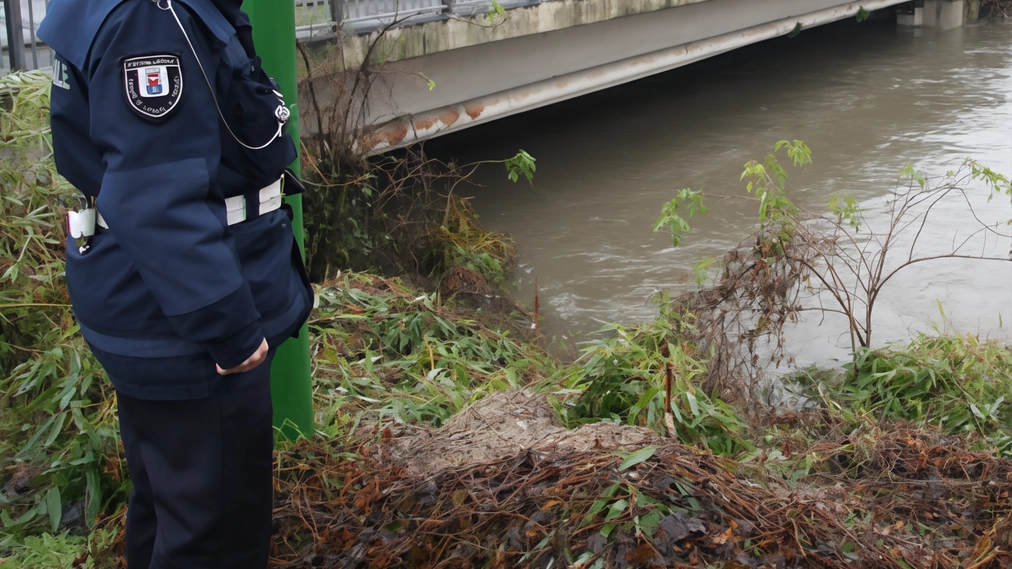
(158, 194)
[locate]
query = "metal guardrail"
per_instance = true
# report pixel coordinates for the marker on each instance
(315, 19)
(364, 16)
(21, 47)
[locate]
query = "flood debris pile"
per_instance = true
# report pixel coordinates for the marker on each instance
(896, 498)
(501, 426)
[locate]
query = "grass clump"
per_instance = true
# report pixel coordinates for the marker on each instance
(956, 384)
(51, 551)
(383, 350)
(621, 378)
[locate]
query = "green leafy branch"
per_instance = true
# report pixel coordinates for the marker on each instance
(522, 163)
(496, 10)
(691, 201)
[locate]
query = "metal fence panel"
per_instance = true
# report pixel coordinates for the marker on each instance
(21, 47)
(314, 19)
(397, 9)
(466, 8)
(365, 15)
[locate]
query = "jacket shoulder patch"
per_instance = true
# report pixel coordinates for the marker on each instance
(153, 84)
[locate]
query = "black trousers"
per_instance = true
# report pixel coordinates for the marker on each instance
(201, 472)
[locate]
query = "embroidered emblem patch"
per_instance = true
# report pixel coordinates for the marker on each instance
(154, 84)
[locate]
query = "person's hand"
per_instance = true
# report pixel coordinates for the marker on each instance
(251, 362)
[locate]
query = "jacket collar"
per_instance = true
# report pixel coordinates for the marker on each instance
(70, 26)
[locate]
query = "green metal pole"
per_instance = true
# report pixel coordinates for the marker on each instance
(291, 381)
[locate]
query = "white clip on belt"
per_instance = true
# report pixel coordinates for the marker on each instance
(81, 224)
(269, 200)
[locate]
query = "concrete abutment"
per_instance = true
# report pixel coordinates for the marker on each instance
(940, 14)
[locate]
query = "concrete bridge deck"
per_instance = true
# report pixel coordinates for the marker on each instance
(450, 73)
(437, 66)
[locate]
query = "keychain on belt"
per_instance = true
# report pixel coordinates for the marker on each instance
(82, 222)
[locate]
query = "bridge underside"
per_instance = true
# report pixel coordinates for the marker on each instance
(422, 97)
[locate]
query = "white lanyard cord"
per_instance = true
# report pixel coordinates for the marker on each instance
(281, 114)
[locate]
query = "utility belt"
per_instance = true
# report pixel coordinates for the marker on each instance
(82, 223)
(252, 205)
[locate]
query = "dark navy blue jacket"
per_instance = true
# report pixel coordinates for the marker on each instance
(170, 289)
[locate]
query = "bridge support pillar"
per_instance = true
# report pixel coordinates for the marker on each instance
(943, 14)
(911, 15)
(972, 12)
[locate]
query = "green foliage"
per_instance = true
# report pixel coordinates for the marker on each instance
(862, 14)
(909, 173)
(626, 507)
(636, 457)
(392, 213)
(58, 445)
(384, 350)
(522, 163)
(496, 11)
(31, 264)
(59, 431)
(702, 270)
(795, 251)
(689, 200)
(620, 379)
(996, 183)
(958, 384)
(49, 551)
(338, 233)
(846, 210)
(768, 180)
(460, 242)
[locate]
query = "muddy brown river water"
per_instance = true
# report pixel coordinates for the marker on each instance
(868, 98)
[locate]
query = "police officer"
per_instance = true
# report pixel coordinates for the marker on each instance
(181, 264)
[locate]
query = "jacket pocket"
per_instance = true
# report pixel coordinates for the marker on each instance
(264, 246)
(108, 293)
(300, 265)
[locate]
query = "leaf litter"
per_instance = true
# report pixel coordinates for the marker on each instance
(539, 496)
(502, 483)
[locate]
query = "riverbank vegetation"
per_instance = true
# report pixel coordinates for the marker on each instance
(996, 9)
(449, 436)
